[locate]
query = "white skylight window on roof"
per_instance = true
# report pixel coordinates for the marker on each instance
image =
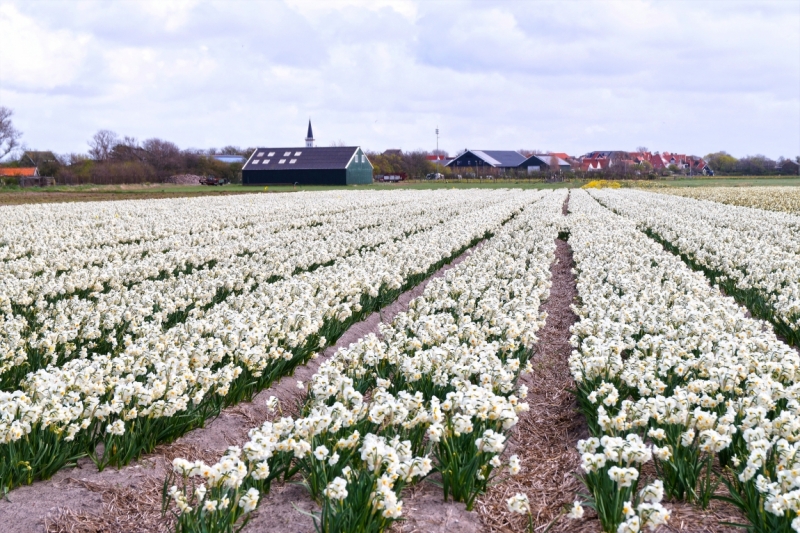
(292, 161)
(271, 154)
(297, 153)
(287, 154)
(255, 161)
(282, 161)
(260, 154)
(266, 161)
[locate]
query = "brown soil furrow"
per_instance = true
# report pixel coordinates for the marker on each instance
(546, 436)
(128, 500)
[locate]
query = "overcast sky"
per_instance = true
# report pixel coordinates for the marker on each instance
(690, 77)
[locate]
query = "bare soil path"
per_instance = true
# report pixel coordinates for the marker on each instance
(545, 438)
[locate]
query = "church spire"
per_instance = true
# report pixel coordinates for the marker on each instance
(310, 136)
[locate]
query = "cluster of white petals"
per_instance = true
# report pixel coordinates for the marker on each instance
(465, 335)
(285, 265)
(687, 357)
(771, 198)
(754, 249)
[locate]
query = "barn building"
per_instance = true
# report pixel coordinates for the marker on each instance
(499, 159)
(309, 165)
(542, 162)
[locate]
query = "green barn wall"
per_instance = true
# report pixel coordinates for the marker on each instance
(359, 173)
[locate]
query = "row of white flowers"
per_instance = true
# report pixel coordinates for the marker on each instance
(440, 379)
(748, 249)
(662, 356)
(46, 231)
(162, 383)
(771, 198)
(191, 234)
(73, 327)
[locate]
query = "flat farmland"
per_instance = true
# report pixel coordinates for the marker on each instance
(492, 359)
(94, 193)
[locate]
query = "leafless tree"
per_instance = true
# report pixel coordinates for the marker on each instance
(163, 155)
(9, 136)
(102, 144)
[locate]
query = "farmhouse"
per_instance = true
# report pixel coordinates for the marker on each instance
(335, 165)
(500, 159)
(37, 158)
(539, 162)
(310, 165)
(789, 167)
(19, 172)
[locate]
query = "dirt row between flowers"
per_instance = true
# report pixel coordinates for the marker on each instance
(84, 500)
(546, 437)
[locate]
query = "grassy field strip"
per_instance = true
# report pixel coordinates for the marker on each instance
(164, 384)
(98, 324)
(753, 255)
(671, 371)
(785, 199)
(440, 382)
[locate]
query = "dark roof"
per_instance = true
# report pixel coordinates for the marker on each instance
(304, 158)
(393, 151)
(598, 154)
(507, 158)
(310, 133)
(496, 158)
(543, 159)
(37, 158)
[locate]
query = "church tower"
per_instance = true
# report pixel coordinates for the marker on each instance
(310, 136)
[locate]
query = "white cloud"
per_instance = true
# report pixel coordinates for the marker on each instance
(36, 57)
(569, 76)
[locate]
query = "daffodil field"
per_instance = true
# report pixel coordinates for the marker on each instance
(124, 325)
(171, 310)
(752, 254)
(439, 384)
(670, 370)
(771, 198)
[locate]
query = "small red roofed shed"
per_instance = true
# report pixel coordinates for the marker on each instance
(23, 172)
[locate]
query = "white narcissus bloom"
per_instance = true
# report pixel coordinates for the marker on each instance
(117, 428)
(210, 506)
(576, 511)
(249, 500)
(273, 403)
(519, 504)
(261, 471)
(336, 489)
(321, 453)
(653, 493)
(624, 477)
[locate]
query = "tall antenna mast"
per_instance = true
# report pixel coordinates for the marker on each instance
(437, 140)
